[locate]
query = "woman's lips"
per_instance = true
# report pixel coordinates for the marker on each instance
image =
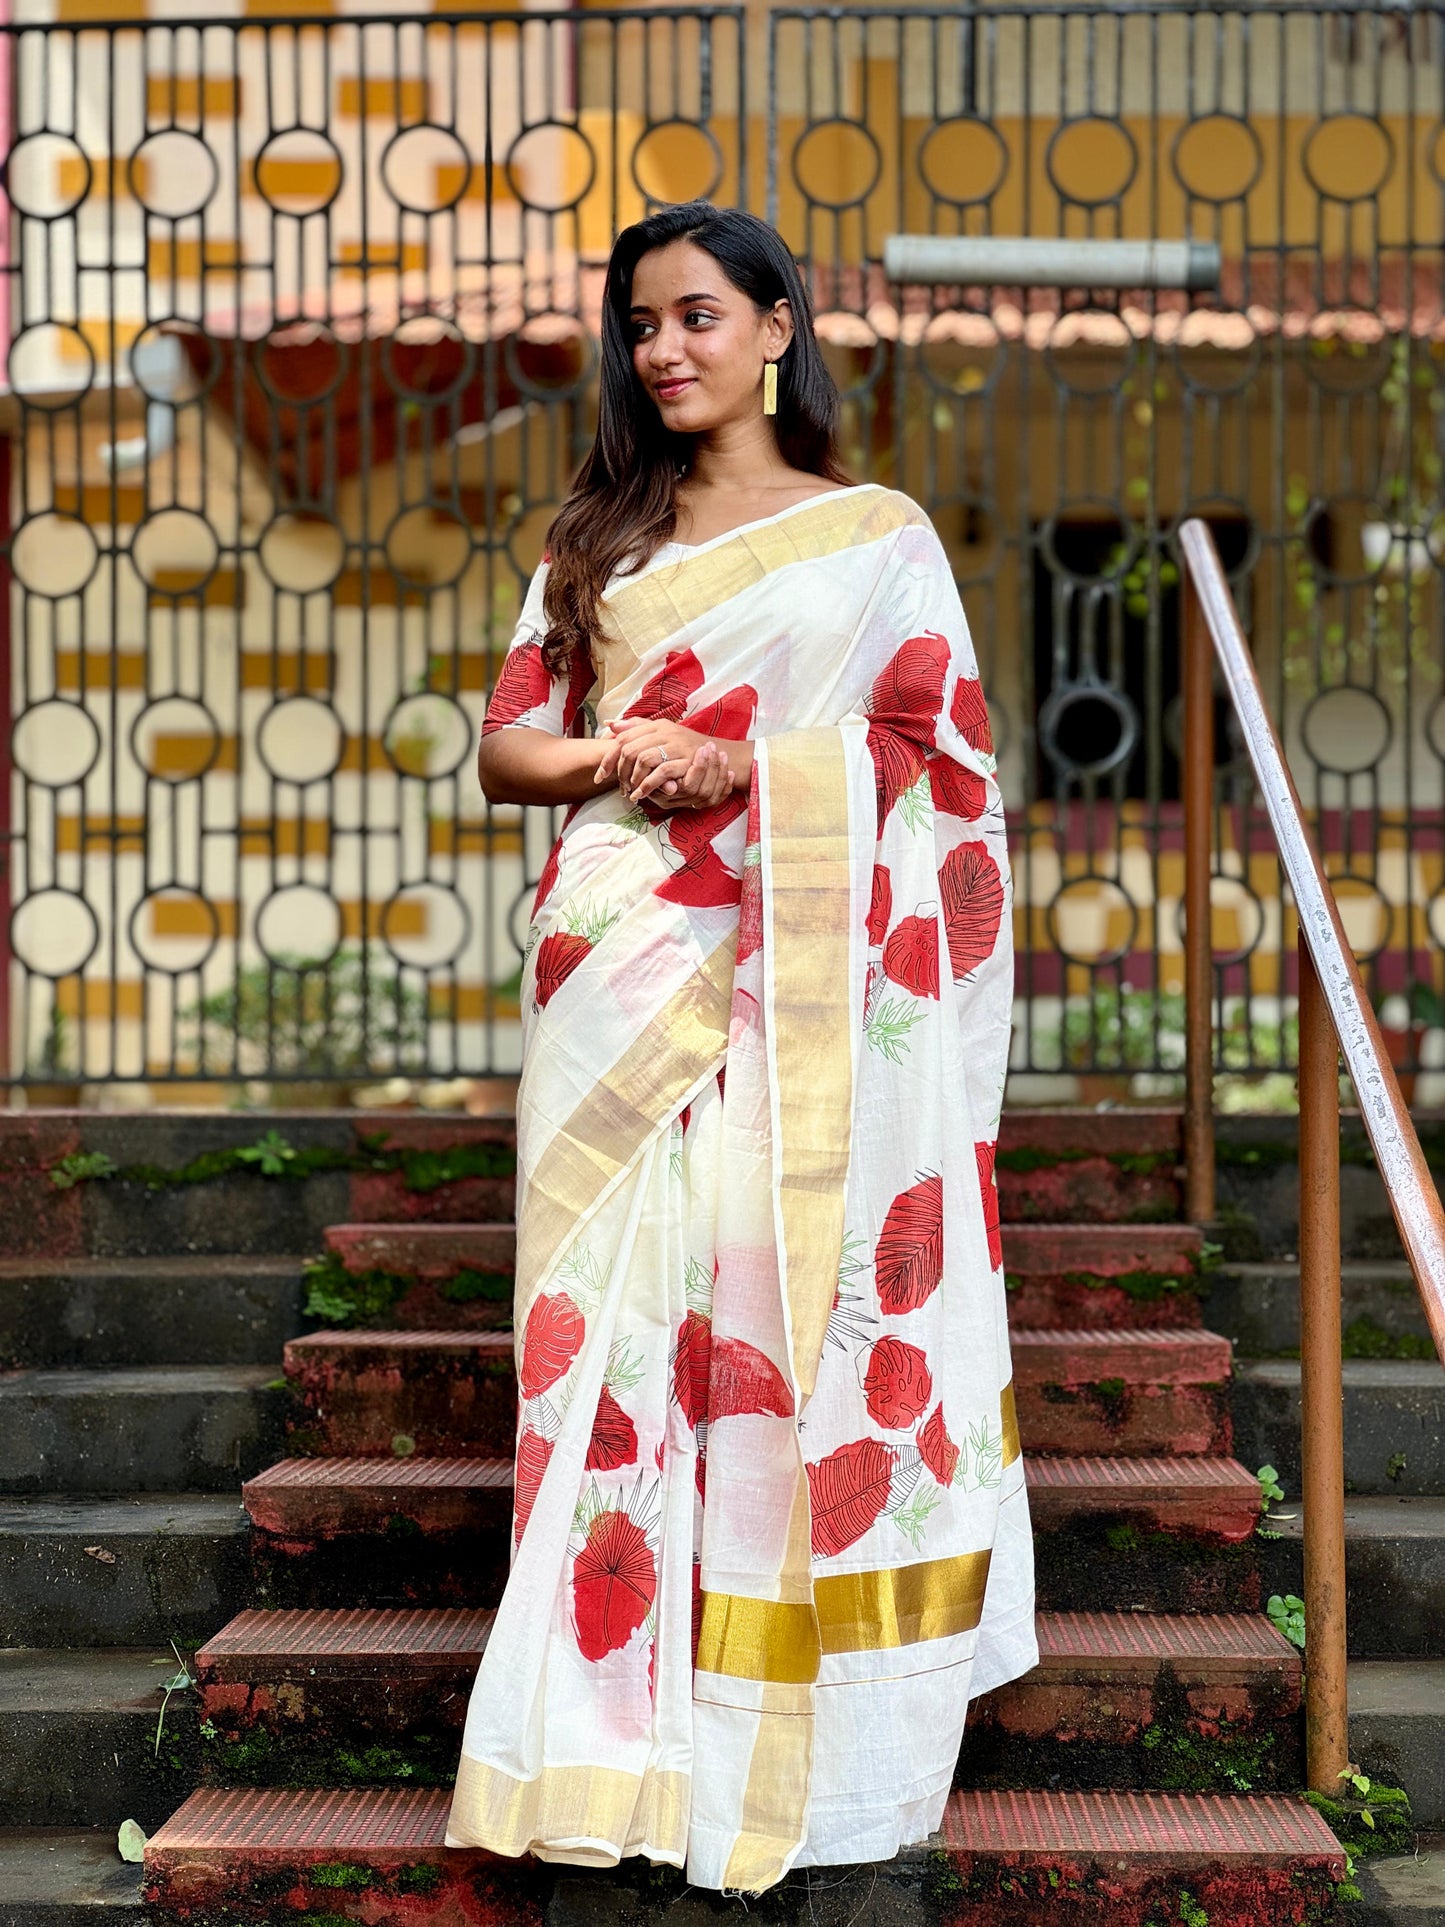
(667, 390)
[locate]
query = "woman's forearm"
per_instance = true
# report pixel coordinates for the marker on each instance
(529, 766)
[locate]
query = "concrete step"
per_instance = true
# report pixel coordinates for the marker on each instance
(181, 1183)
(439, 1393)
(1204, 1701)
(1127, 1392)
(301, 1696)
(87, 1571)
(1102, 1276)
(1394, 1422)
(1076, 1166)
(1402, 1890)
(66, 1877)
(1146, 1535)
(382, 1532)
(1394, 1572)
(152, 1311)
(1258, 1307)
(78, 1738)
(458, 1276)
(998, 1859)
(1397, 1729)
(155, 1428)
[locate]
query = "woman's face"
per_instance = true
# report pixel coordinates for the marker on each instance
(698, 343)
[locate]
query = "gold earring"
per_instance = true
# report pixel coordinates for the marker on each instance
(770, 388)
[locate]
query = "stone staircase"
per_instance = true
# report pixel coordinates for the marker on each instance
(1143, 1775)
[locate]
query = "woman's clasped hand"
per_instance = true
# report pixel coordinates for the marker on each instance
(665, 764)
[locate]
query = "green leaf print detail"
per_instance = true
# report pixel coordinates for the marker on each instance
(590, 920)
(584, 1278)
(850, 1259)
(624, 1371)
(912, 1518)
(590, 1506)
(987, 1454)
(887, 1029)
(635, 822)
(697, 1287)
(915, 805)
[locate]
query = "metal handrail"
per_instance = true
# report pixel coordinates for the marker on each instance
(1335, 1015)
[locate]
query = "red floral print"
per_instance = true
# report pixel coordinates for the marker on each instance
(969, 715)
(524, 684)
(549, 874)
(729, 717)
(908, 1262)
(534, 1452)
(556, 958)
(580, 678)
(551, 1339)
(666, 693)
(880, 908)
(614, 1436)
(750, 912)
(897, 1384)
(938, 1450)
(848, 1490)
(897, 766)
(742, 1379)
(911, 686)
(910, 956)
(690, 1367)
(614, 1582)
(972, 887)
(703, 881)
(984, 1155)
(956, 791)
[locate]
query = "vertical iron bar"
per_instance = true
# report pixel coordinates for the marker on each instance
(1198, 958)
(1321, 1390)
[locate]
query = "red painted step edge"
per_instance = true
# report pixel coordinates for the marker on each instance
(426, 1251)
(1082, 1358)
(1209, 1498)
(300, 1501)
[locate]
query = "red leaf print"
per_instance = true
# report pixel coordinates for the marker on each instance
(557, 957)
(897, 1384)
(912, 684)
(614, 1436)
(972, 887)
(524, 684)
(704, 881)
(667, 693)
(743, 1379)
(909, 1260)
(984, 1154)
(551, 1340)
(910, 956)
(897, 766)
(684, 1118)
(880, 908)
(729, 717)
(848, 1490)
(614, 1582)
(938, 1450)
(533, 1454)
(548, 876)
(580, 678)
(750, 912)
(969, 715)
(957, 791)
(690, 1367)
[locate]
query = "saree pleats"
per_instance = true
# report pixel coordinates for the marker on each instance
(770, 1530)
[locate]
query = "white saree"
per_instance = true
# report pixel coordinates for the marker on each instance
(771, 1529)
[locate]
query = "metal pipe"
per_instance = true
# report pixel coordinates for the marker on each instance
(991, 260)
(1198, 790)
(1322, 1405)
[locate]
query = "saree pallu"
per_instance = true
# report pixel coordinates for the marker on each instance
(771, 1532)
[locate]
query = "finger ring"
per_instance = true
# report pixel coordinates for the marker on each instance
(661, 756)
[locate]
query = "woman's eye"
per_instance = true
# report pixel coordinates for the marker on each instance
(641, 330)
(698, 314)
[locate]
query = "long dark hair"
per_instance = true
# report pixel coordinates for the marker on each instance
(623, 503)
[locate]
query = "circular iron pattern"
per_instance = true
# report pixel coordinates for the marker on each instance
(1091, 901)
(301, 740)
(55, 742)
(1073, 713)
(54, 933)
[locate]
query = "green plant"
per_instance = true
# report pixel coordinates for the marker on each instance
(1270, 1492)
(1287, 1614)
(79, 1167)
(180, 1682)
(271, 1152)
(346, 1015)
(1395, 1466)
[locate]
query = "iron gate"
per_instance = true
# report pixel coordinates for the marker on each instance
(302, 322)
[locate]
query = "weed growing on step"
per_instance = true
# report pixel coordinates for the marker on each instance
(1270, 1493)
(349, 1299)
(273, 1157)
(1363, 1337)
(1184, 1760)
(1144, 1287)
(1390, 1827)
(1287, 1615)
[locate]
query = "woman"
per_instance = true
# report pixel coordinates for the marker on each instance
(771, 1533)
